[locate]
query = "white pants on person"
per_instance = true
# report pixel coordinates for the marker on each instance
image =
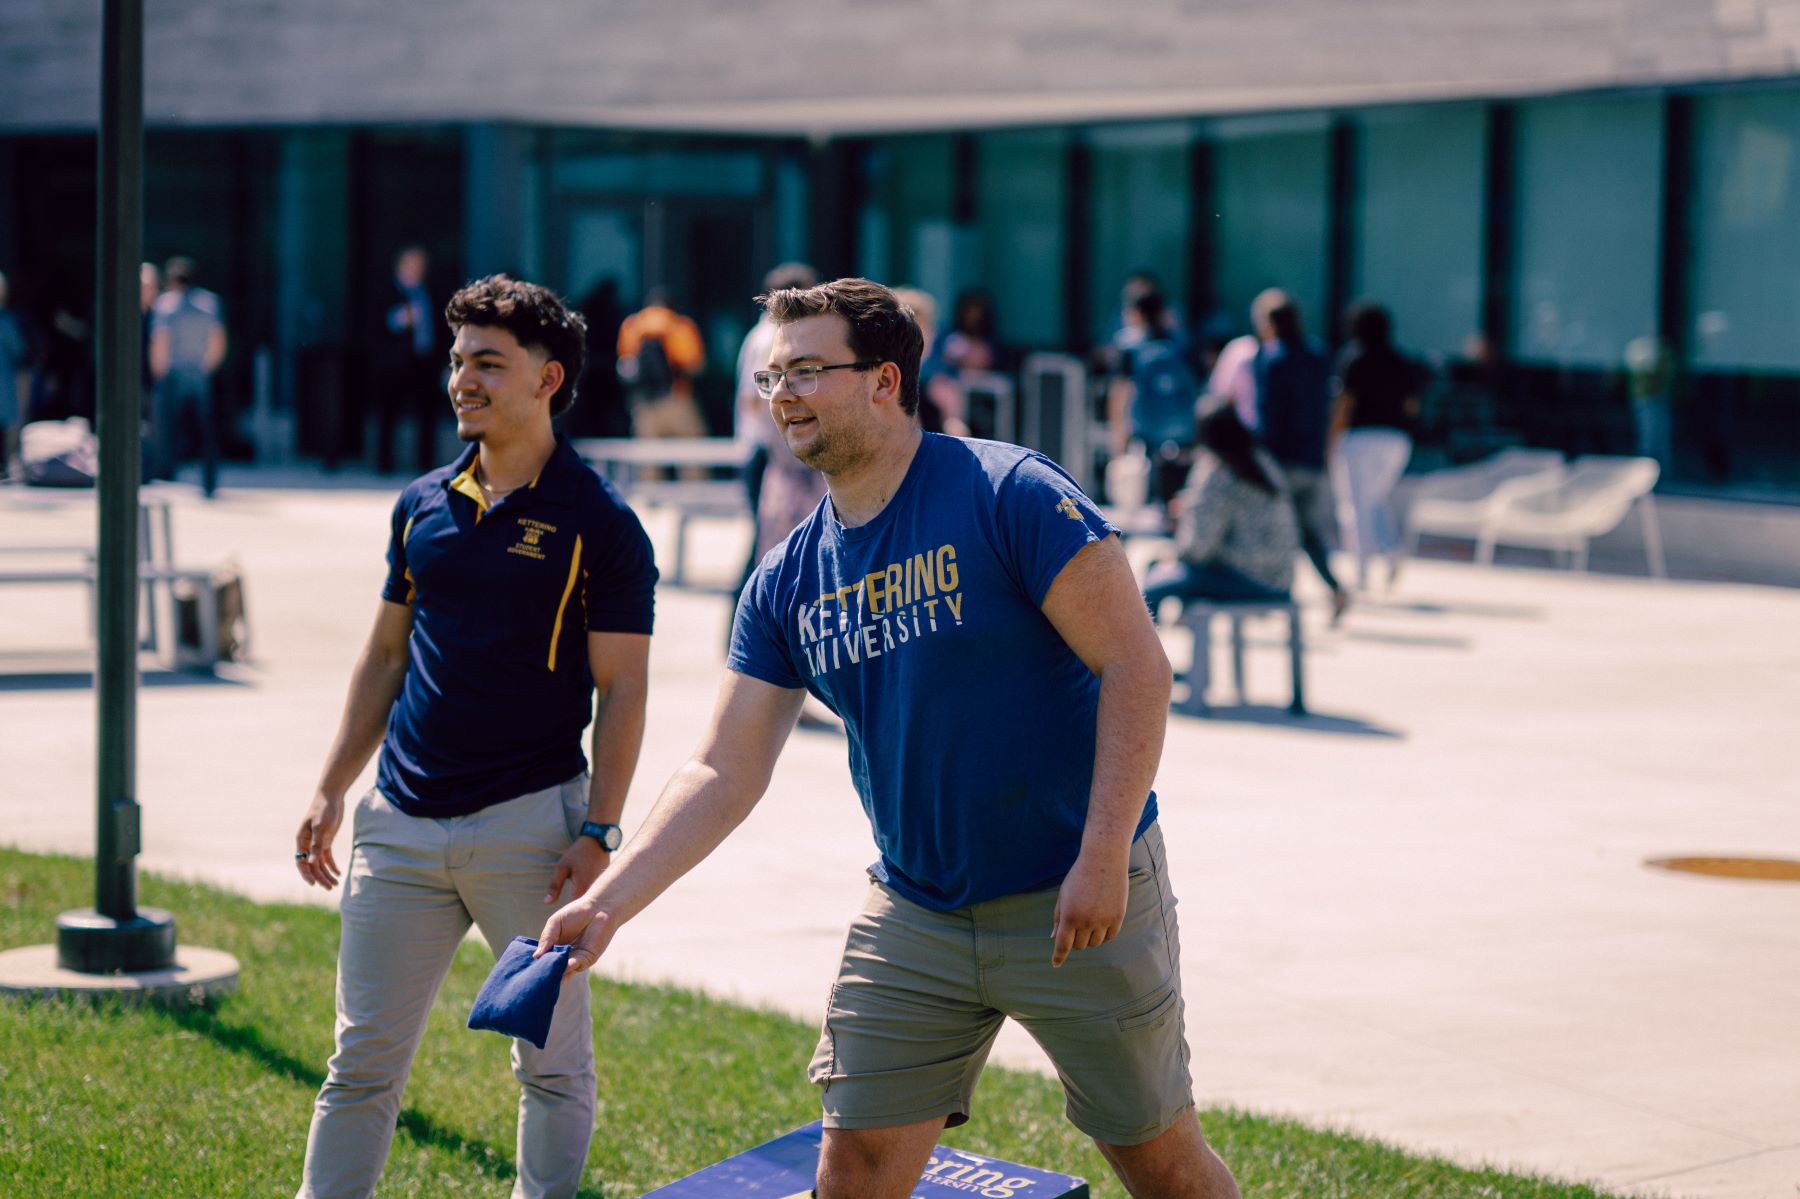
(414, 886)
(1370, 462)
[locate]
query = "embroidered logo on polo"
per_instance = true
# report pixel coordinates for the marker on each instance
(531, 535)
(882, 612)
(1067, 508)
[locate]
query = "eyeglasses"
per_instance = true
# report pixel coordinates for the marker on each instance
(802, 380)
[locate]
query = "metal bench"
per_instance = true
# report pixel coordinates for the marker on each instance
(1197, 617)
(690, 498)
(636, 466)
(85, 573)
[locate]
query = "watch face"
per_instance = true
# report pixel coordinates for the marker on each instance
(614, 837)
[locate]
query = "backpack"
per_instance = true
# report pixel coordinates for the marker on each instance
(1162, 408)
(648, 374)
(59, 453)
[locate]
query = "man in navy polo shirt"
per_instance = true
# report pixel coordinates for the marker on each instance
(970, 615)
(519, 584)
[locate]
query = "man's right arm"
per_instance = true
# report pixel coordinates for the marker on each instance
(705, 799)
(374, 685)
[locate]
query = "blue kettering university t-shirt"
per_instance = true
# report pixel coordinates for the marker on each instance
(497, 688)
(971, 722)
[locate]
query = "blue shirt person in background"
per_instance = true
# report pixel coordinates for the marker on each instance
(1295, 407)
(519, 584)
(972, 618)
(187, 344)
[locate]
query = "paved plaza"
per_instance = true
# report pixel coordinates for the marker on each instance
(1423, 913)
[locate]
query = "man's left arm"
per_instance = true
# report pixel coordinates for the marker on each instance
(620, 664)
(1097, 608)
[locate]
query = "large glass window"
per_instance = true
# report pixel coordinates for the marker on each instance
(1273, 204)
(1141, 203)
(1746, 231)
(906, 233)
(1417, 233)
(1589, 189)
(1021, 185)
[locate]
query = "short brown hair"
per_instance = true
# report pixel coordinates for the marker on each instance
(533, 314)
(881, 327)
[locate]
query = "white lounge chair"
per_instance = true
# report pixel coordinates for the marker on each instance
(1457, 502)
(1562, 513)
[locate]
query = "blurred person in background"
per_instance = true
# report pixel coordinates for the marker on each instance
(187, 344)
(660, 353)
(942, 404)
(1235, 530)
(15, 379)
(1294, 400)
(970, 347)
(1377, 405)
(1130, 329)
(1151, 402)
(1233, 375)
(149, 287)
(798, 490)
(408, 373)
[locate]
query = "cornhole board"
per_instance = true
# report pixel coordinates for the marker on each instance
(785, 1167)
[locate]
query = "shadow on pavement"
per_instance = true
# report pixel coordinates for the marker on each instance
(1415, 640)
(1452, 608)
(83, 680)
(1313, 722)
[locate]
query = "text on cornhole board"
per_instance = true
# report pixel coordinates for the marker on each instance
(784, 1168)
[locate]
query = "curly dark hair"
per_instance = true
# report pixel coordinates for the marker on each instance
(533, 314)
(881, 327)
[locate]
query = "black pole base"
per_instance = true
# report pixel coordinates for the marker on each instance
(90, 943)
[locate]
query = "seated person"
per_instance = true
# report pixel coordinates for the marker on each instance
(1234, 528)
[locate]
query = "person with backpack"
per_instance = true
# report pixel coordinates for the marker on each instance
(1154, 396)
(660, 352)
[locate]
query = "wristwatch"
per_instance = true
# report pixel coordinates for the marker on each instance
(610, 836)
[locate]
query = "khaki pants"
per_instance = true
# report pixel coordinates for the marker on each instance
(674, 415)
(414, 886)
(920, 996)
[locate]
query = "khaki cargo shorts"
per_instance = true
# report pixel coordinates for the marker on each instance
(920, 996)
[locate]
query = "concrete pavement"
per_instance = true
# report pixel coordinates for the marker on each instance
(1423, 914)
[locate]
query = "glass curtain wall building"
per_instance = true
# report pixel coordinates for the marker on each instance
(297, 230)
(1599, 273)
(1604, 272)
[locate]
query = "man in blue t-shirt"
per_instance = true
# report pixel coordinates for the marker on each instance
(971, 617)
(187, 344)
(518, 584)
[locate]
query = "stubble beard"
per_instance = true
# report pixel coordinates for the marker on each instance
(836, 453)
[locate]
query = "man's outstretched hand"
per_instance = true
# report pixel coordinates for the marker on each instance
(581, 925)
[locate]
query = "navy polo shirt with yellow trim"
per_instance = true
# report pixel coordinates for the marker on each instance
(498, 690)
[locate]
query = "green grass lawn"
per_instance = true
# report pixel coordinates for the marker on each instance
(120, 1101)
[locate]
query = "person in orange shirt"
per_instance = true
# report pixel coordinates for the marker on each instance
(660, 352)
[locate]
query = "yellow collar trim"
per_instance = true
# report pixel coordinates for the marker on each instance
(465, 484)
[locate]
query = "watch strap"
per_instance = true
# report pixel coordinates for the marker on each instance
(610, 836)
